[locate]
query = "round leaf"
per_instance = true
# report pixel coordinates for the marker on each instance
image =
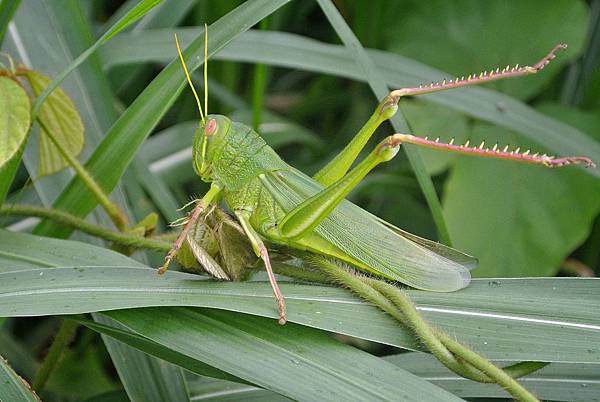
(14, 118)
(60, 122)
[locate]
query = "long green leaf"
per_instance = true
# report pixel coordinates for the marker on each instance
(141, 117)
(12, 387)
(298, 362)
(557, 319)
(293, 51)
(557, 382)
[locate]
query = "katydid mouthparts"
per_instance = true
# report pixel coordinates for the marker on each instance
(277, 204)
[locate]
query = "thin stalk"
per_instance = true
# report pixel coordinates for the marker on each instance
(64, 218)
(258, 85)
(113, 211)
(65, 334)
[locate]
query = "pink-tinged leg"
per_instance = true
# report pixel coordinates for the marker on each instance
(197, 211)
(208, 199)
(259, 248)
(264, 255)
(494, 152)
(483, 77)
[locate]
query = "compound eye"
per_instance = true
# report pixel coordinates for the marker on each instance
(211, 127)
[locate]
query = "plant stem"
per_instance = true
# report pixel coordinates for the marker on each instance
(75, 222)
(65, 334)
(113, 211)
(452, 354)
(493, 372)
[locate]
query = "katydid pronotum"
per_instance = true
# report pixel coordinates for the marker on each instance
(277, 204)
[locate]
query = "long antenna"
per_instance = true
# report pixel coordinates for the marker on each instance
(206, 68)
(189, 80)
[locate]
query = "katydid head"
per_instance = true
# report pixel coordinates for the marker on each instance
(212, 127)
(207, 138)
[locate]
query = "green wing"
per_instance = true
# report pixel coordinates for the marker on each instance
(383, 248)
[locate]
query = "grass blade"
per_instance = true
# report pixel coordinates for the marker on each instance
(144, 377)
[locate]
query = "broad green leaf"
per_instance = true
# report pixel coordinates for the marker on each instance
(60, 123)
(557, 318)
(298, 362)
(532, 217)
(556, 382)
(293, 51)
(12, 387)
(469, 36)
(136, 123)
(14, 119)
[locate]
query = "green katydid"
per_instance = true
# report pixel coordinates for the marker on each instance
(278, 204)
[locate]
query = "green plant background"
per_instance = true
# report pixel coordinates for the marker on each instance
(520, 221)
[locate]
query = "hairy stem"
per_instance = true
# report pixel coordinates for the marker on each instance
(452, 354)
(65, 334)
(64, 218)
(493, 373)
(113, 211)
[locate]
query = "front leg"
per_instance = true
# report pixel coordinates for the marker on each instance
(201, 206)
